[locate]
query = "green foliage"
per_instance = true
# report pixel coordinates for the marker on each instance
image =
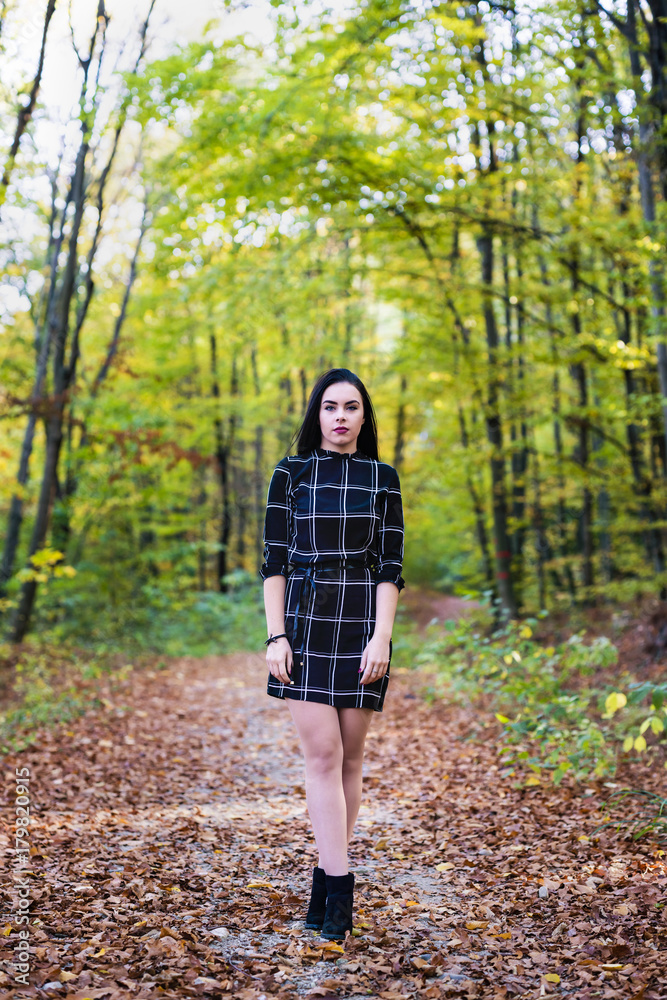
(553, 720)
(636, 812)
(640, 694)
(52, 685)
(158, 616)
(322, 203)
(78, 652)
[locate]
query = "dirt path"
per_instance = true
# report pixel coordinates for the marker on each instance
(171, 851)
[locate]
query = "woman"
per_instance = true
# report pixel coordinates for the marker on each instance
(333, 552)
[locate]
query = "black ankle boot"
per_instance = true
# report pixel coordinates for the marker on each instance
(318, 900)
(338, 916)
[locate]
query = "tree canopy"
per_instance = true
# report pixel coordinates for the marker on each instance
(463, 203)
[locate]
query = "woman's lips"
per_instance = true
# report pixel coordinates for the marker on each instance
(340, 430)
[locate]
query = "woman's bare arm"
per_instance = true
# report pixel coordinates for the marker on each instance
(375, 658)
(386, 602)
(278, 653)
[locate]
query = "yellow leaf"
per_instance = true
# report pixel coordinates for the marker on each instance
(420, 963)
(532, 779)
(259, 885)
(550, 650)
(332, 946)
(7, 930)
(476, 925)
(381, 844)
(502, 718)
(628, 743)
(552, 977)
(507, 658)
(67, 977)
(526, 632)
(614, 701)
(610, 966)
(640, 744)
(446, 866)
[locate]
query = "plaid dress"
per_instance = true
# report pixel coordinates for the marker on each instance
(334, 529)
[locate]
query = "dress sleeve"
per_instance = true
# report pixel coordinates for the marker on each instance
(277, 524)
(390, 541)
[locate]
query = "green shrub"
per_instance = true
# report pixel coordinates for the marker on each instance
(553, 721)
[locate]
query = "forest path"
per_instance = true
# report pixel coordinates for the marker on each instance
(171, 855)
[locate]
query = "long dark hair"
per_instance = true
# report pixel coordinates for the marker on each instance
(309, 435)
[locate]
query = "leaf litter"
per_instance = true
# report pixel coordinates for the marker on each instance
(171, 855)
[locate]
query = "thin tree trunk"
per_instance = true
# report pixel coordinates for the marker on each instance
(651, 136)
(503, 543)
(561, 512)
(579, 374)
(63, 373)
(399, 441)
(258, 473)
(26, 112)
(44, 343)
(478, 509)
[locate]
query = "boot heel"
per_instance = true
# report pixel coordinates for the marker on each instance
(318, 900)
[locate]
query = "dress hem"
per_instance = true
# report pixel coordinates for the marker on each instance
(351, 701)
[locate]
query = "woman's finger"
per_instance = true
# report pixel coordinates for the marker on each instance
(280, 668)
(374, 672)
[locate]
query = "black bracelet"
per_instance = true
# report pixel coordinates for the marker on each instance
(272, 638)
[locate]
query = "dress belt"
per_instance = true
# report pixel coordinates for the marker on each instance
(307, 587)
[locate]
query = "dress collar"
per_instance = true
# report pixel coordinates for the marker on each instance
(343, 454)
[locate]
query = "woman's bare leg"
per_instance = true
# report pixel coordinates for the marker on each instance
(319, 731)
(354, 724)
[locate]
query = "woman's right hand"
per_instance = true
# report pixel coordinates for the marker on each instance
(279, 660)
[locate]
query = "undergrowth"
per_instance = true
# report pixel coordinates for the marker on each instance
(75, 652)
(557, 716)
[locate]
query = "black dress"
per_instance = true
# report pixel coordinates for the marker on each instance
(334, 529)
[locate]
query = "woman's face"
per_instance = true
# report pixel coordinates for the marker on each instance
(341, 417)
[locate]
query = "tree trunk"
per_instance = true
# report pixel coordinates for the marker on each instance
(561, 511)
(399, 441)
(26, 112)
(503, 543)
(62, 378)
(652, 138)
(28, 592)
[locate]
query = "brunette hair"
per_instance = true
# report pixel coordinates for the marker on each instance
(309, 435)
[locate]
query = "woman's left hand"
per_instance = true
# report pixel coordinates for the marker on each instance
(374, 660)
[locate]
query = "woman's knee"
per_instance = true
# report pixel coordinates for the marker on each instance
(324, 757)
(353, 762)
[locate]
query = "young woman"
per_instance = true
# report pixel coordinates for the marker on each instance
(333, 554)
